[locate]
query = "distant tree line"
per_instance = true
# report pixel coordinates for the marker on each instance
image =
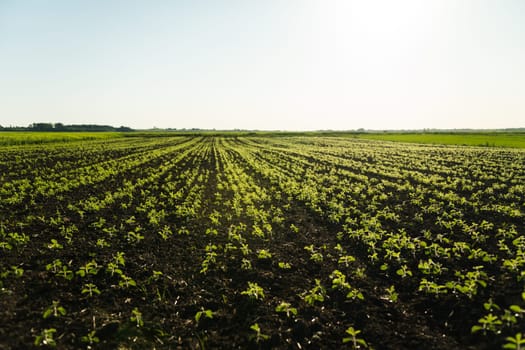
(62, 127)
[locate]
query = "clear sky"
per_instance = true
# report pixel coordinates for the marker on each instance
(265, 64)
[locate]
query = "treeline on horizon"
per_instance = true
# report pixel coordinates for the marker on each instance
(95, 128)
(63, 127)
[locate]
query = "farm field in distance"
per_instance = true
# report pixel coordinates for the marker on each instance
(290, 242)
(30, 137)
(486, 139)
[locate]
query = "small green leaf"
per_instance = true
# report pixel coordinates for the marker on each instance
(516, 308)
(47, 313)
(476, 328)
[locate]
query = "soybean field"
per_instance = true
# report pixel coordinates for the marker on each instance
(291, 242)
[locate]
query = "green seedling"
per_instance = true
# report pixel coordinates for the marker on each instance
(46, 338)
(5, 246)
(18, 239)
(509, 318)
(54, 310)
(489, 322)
(55, 266)
(119, 259)
(113, 268)
(404, 271)
(257, 231)
(287, 308)
(254, 291)
(212, 231)
(102, 243)
(91, 268)
(246, 264)
(490, 306)
(126, 282)
(210, 259)
(136, 316)
(314, 255)
(245, 249)
(230, 247)
(90, 289)
(90, 338)
(515, 343)
(66, 273)
(134, 237)
(264, 254)
(339, 282)
(315, 294)
(360, 273)
(284, 265)
(346, 260)
(54, 244)
(392, 294)
(258, 336)
(155, 276)
(17, 271)
(353, 338)
(317, 257)
(432, 287)
(430, 267)
(206, 313)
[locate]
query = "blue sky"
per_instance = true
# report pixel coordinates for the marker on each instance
(287, 64)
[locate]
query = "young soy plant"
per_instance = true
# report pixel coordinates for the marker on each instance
(317, 293)
(46, 338)
(346, 260)
(284, 265)
(246, 264)
(54, 244)
(286, 308)
(206, 313)
(264, 254)
(90, 289)
(515, 343)
(165, 232)
(210, 259)
(126, 282)
(314, 255)
(489, 322)
(339, 282)
(258, 336)
(254, 291)
(391, 294)
(91, 268)
(90, 338)
(54, 310)
(136, 316)
(353, 338)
